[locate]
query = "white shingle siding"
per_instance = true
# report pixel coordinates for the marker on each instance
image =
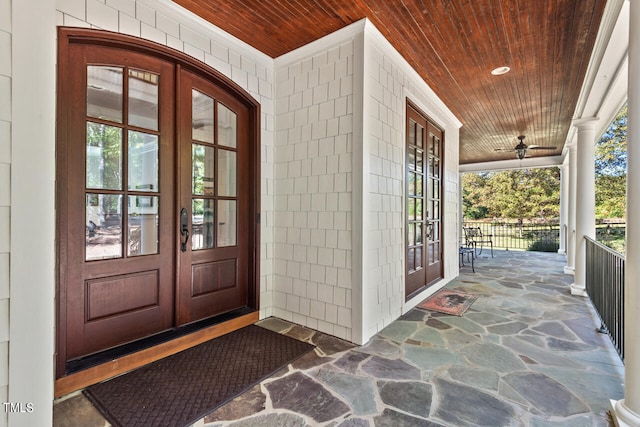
(313, 190)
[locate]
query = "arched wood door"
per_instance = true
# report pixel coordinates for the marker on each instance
(423, 203)
(156, 225)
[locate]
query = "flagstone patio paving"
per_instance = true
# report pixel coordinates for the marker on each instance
(525, 354)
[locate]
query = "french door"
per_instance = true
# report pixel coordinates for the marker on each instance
(213, 274)
(156, 224)
(423, 203)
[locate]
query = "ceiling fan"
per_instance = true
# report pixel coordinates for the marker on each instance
(521, 148)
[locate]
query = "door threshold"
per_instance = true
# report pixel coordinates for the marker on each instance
(90, 361)
(120, 365)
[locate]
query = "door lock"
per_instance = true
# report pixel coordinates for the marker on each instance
(184, 229)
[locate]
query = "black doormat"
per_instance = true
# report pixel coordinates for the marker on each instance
(183, 388)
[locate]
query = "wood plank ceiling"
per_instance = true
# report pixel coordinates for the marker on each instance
(453, 45)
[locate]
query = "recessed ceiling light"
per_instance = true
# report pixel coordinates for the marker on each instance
(500, 71)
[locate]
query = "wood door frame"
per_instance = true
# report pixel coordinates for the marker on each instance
(411, 105)
(80, 36)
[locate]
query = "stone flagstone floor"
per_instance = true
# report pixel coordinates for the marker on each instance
(525, 354)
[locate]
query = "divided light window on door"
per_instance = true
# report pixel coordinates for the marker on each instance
(156, 224)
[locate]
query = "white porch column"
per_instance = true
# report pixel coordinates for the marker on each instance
(571, 214)
(564, 190)
(585, 200)
(627, 411)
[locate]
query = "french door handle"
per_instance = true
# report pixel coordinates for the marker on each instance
(184, 229)
(428, 229)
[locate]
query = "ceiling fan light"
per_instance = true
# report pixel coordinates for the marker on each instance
(500, 71)
(521, 152)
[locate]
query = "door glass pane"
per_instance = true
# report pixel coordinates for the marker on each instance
(411, 209)
(201, 117)
(435, 231)
(418, 209)
(143, 161)
(226, 173)
(143, 225)
(203, 172)
(419, 136)
(103, 226)
(418, 234)
(143, 99)
(104, 157)
(226, 223)
(411, 234)
(411, 259)
(412, 184)
(419, 185)
(435, 172)
(419, 160)
(227, 128)
(411, 163)
(418, 257)
(202, 224)
(104, 93)
(412, 132)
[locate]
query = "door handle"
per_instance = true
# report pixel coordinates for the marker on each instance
(184, 229)
(428, 230)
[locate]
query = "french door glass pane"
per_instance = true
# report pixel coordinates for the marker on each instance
(202, 224)
(411, 234)
(412, 184)
(143, 225)
(419, 160)
(203, 172)
(104, 157)
(202, 117)
(143, 161)
(412, 158)
(411, 259)
(227, 128)
(226, 223)
(418, 257)
(412, 132)
(103, 226)
(411, 209)
(143, 99)
(104, 93)
(226, 173)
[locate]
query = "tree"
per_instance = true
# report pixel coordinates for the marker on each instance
(611, 149)
(514, 194)
(611, 169)
(474, 195)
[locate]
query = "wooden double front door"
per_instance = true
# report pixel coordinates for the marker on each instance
(156, 195)
(423, 203)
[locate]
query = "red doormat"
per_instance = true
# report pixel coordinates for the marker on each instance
(448, 302)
